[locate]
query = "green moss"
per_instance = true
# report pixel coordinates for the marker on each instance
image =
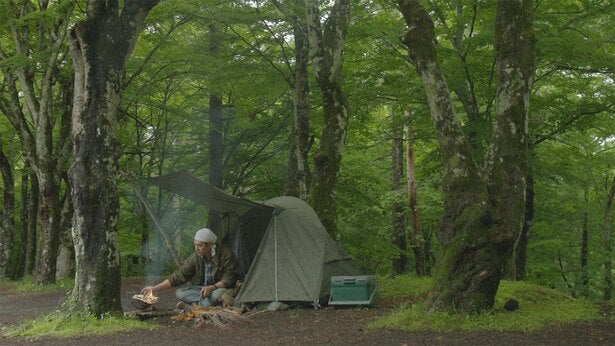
(539, 308)
(403, 286)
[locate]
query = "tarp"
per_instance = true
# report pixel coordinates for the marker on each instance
(189, 186)
(284, 251)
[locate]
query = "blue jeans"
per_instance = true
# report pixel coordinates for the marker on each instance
(191, 294)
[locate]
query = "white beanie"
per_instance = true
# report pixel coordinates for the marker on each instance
(205, 235)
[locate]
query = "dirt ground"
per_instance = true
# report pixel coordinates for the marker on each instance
(329, 325)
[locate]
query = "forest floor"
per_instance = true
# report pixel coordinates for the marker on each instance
(329, 325)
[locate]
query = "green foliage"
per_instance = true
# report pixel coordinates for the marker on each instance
(539, 307)
(570, 188)
(65, 325)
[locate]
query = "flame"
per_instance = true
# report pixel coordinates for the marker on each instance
(148, 298)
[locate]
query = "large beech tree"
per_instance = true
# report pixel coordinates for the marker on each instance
(33, 106)
(483, 208)
(297, 182)
(326, 42)
(99, 46)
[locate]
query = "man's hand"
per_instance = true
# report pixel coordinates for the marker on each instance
(149, 290)
(206, 291)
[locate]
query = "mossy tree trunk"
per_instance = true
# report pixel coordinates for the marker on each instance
(216, 138)
(483, 211)
(399, 234)
(326, 44)
(606, 242)
(99, 47)
(7, 224)
(583, 281)
(516, 268)
(28, 220)
(420, 267)
(298, 165)
(39, 32)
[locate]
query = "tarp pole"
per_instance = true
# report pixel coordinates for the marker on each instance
(275, 251)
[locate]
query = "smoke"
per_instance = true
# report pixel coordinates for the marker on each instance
(169, 239)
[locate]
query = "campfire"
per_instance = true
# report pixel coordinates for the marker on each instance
(215, 315)
(144, 301)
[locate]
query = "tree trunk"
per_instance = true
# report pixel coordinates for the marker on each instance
(29, 226)
(482, 216)
(606, 243)
(65, 266)
(519, 258)
(415, 234)
(7, 225)
(400, 237)
(216, 131)
(20, 268)
(99, 46)
(216, 141)
(583, 281)
(49, 222)
(30, 109)
(326, 49)
(298, 165)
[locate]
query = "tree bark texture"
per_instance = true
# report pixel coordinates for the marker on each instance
(29, 223)
(399, 234)
(518, 261)
(415, 232)
(583, 280)
(216, 131)
(506, 164)
(7, 224)
(298, 164)
(326, 47)
(99, 46)
(33, 115)
(483, 213)
(65, 264)
(20, 267)
(606, 241)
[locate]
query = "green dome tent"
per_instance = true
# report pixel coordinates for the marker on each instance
(285, 253)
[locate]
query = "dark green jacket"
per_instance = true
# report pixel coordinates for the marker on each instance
(225, 267)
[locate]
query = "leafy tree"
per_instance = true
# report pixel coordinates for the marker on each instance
(326, 42)
(481, 217)
(33, 68)
(99, 46)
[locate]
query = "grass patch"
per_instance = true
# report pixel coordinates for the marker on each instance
(403, 286)
(64, 325)
(61, 324)
(26, 285)
(539, 307)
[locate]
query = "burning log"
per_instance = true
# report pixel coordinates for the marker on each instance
(144, 301)
(216, 315)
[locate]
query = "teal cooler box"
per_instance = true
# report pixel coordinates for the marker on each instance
(353, 290)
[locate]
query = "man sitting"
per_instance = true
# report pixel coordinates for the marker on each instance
(212, 270)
